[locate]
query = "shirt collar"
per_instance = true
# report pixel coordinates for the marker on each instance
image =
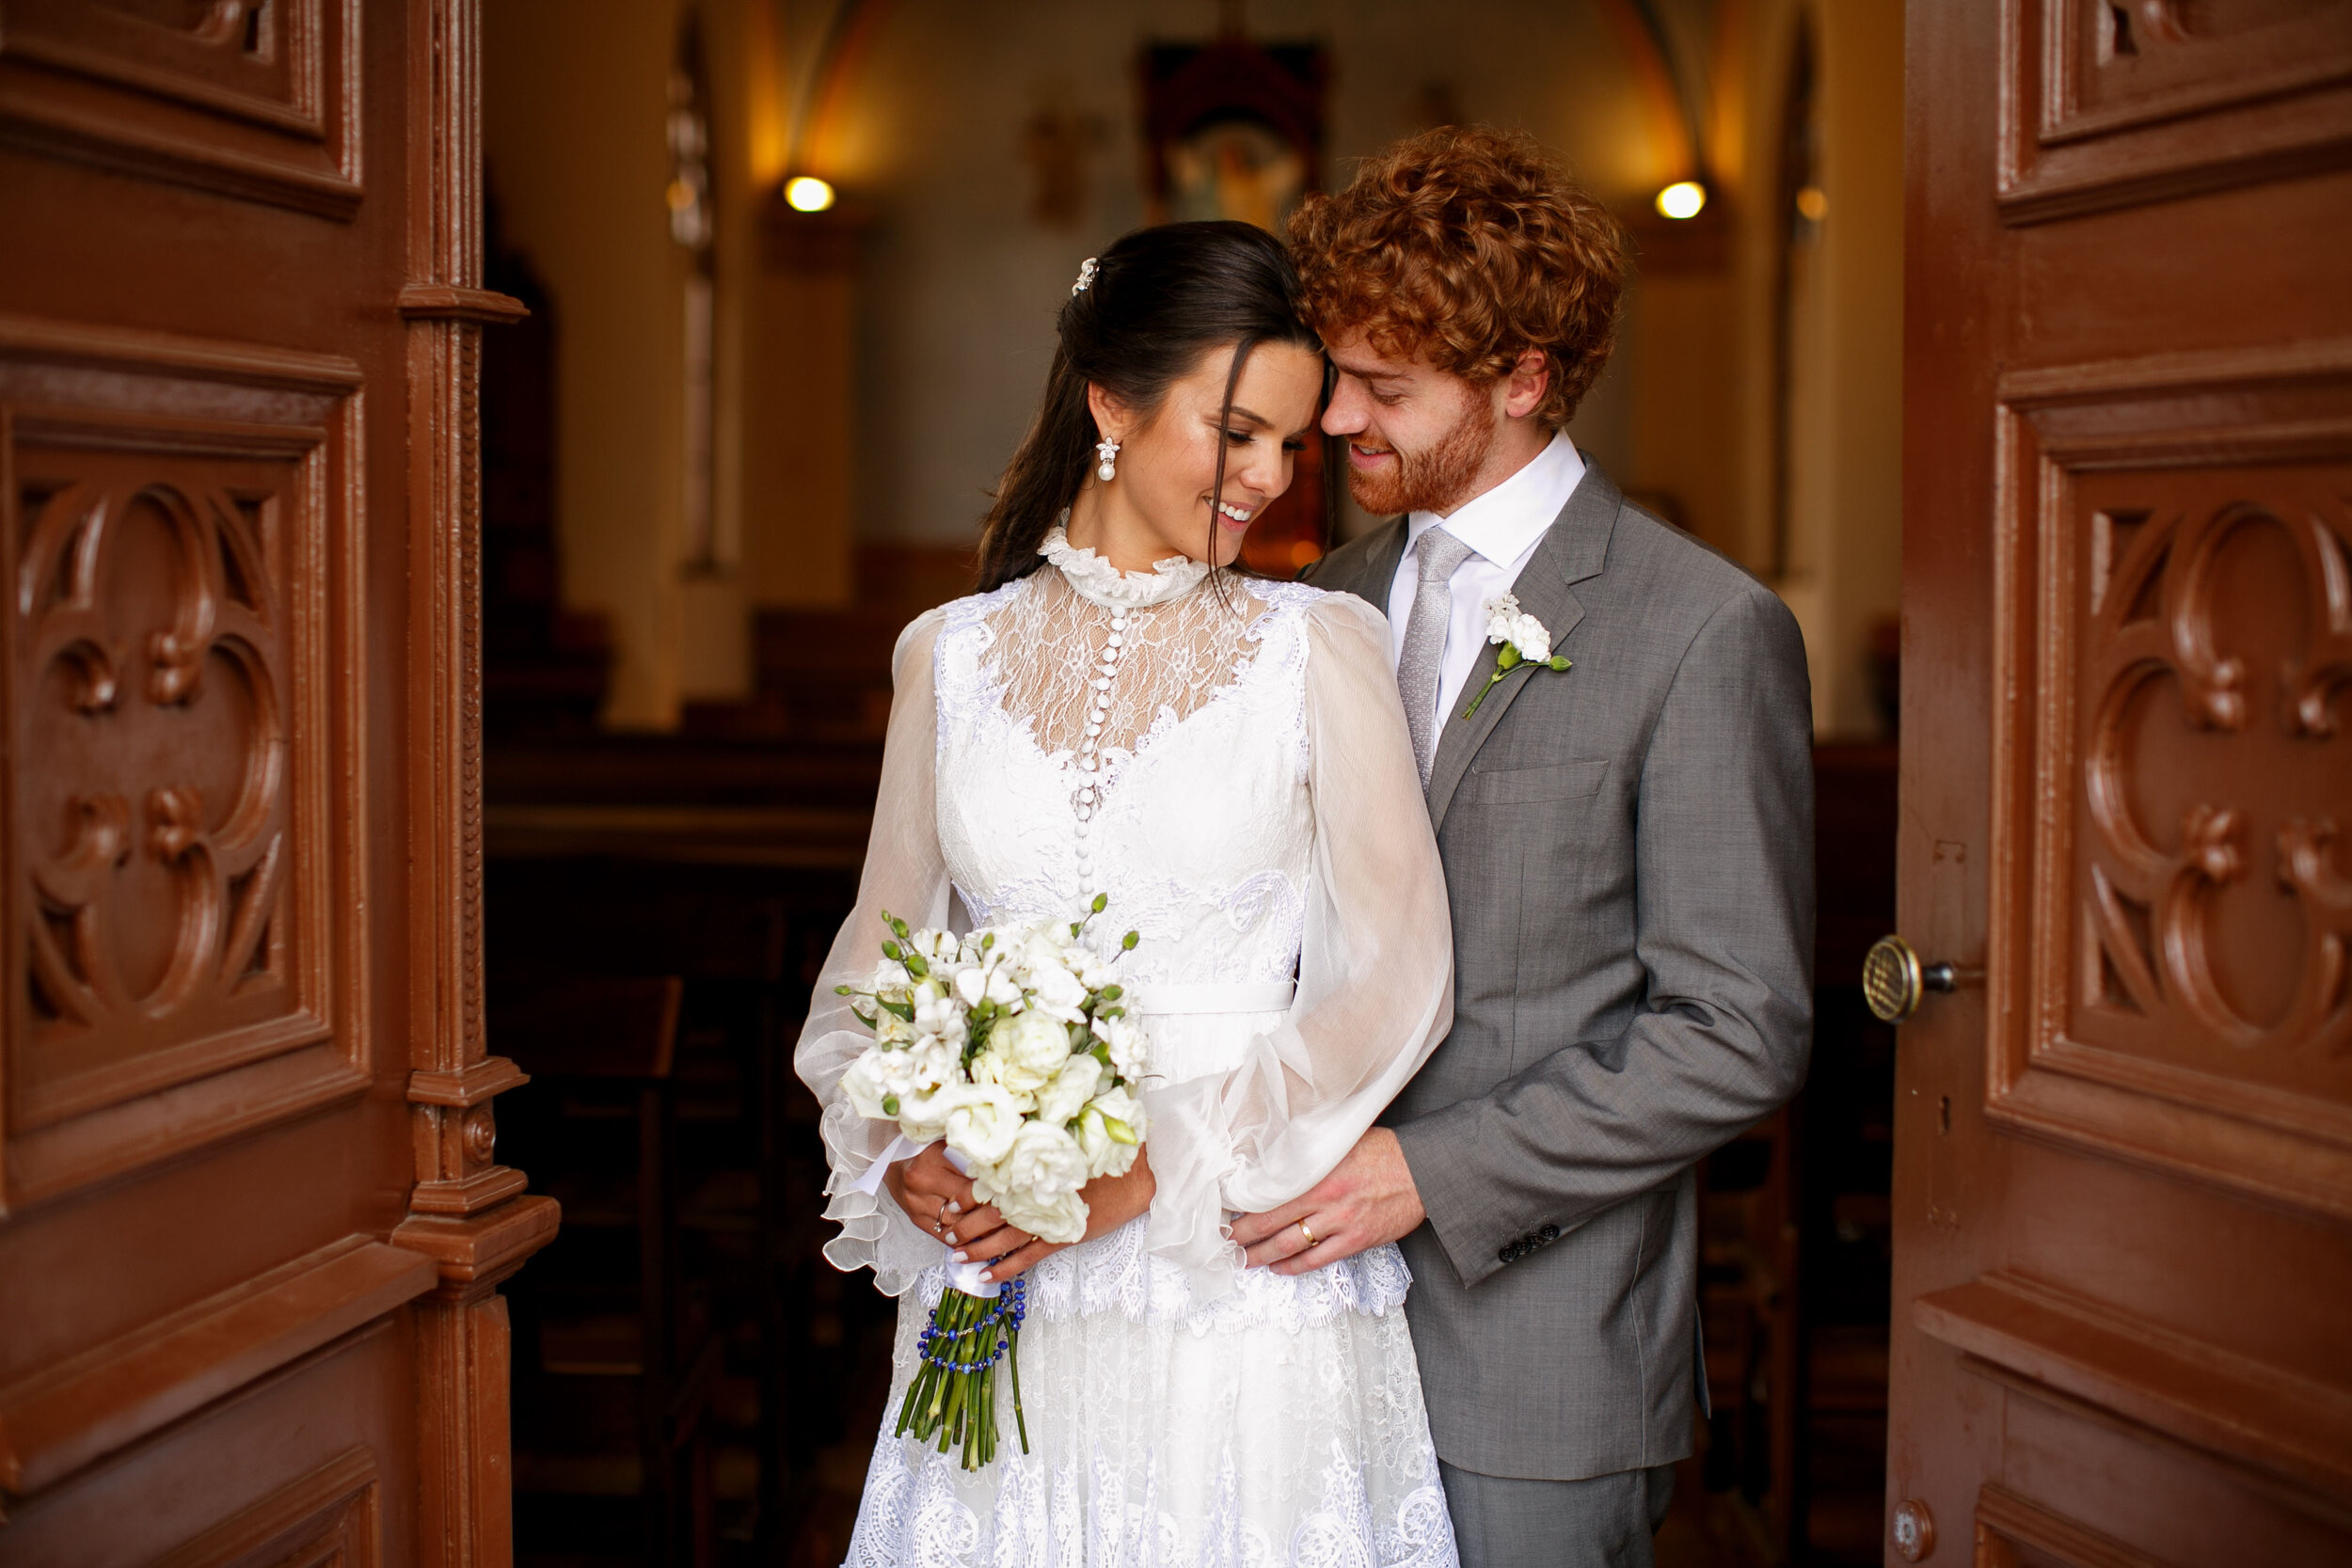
(1503, 524)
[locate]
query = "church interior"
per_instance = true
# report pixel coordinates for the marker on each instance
(791, 267)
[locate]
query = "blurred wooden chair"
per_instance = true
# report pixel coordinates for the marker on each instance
(618, 1356)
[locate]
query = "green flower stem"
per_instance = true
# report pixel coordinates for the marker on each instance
(1506, 661)
(1012, 1354)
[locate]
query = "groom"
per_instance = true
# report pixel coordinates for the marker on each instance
(1627, 845)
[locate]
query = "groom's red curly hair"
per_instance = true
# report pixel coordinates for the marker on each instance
(1469, 245)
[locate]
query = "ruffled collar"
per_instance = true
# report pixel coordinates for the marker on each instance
(1092, 578)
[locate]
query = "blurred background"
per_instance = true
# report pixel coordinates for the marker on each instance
(792, 268)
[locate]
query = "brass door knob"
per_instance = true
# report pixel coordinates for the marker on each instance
(1914, 1527)
(1894, 979)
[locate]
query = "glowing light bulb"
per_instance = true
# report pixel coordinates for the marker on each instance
(805, 193)
(1813, 203)
(1681, 199)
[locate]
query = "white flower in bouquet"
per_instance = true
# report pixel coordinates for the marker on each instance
(1071, 1087)
(937, 1015)
(923, 1116)
(982, 1126)
(1060, 995)
(1123, 1041)
(1109, 1131)
(990, 980)
(1031, 1183)
(1023, 1053)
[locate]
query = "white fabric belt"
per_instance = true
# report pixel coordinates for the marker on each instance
(1156, 1000)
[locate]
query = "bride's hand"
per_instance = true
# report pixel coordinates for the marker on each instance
(1111, 1202)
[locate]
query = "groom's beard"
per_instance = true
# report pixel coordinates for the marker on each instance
(1438, 478)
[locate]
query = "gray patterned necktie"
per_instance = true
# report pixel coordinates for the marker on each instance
(1417, 667)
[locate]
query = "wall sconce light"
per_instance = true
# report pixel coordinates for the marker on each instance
(805, 193)
(1681, 199)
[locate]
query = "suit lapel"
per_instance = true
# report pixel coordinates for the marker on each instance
(1573, 550)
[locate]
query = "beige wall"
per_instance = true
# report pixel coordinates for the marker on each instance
(572, 119)
(1845, 524)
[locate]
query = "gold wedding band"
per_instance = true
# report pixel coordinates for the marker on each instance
(1304, 1231)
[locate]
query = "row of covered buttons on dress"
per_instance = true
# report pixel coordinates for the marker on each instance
(1090, 749)
(1543, 1236)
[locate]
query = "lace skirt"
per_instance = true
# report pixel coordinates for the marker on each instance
(1280, 1425)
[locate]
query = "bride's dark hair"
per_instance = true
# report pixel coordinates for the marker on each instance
(1160, 299)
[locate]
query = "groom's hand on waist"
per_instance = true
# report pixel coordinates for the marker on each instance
(1368, 1200)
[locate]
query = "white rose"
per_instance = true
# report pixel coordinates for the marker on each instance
(1061, 1218)
(922, 1118)
(1044, 1160)
(1033, 1047)
(889, 976)
(1071, 1087)
(982, 1126)
(867, 1085)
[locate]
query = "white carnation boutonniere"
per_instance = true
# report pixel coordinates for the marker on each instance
(1524, 638)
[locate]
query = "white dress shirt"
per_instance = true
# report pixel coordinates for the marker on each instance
(1503, 528)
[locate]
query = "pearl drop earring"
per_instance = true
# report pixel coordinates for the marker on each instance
(1108, 453)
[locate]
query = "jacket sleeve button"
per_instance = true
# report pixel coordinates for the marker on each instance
(1549, 1233)
(1505, 1256)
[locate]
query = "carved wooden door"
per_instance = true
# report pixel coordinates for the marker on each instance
(2124, 1138)
(252, 1223)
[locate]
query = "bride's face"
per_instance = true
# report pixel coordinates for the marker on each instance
(1158, 506)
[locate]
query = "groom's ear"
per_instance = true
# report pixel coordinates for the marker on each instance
(1529, 380)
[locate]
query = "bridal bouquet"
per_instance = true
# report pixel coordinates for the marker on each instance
(1010, 1044)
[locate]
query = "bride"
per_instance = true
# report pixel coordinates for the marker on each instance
(1225, 759)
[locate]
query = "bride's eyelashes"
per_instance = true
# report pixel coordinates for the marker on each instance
(1242, 438)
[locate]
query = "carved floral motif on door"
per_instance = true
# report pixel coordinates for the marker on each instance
(2222, 643)
(2168, 968)
(157, 692)
(171, 793)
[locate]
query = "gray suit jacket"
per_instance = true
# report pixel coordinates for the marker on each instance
(1628, 850)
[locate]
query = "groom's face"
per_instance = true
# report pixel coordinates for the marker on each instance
(1418, 437)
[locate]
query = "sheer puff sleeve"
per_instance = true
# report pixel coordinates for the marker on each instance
(1376, 973)
(906, 875)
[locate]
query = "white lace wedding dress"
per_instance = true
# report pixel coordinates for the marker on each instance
(1228, 762)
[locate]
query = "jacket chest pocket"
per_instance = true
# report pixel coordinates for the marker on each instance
(1527, 787)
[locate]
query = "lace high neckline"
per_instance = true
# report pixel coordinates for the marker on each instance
(1092, 578)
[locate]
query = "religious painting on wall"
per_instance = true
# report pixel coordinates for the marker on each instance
(1233, 128)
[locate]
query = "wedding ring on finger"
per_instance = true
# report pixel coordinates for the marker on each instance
(1309, 1234)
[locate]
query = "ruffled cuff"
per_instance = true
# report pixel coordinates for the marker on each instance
(875, 1232)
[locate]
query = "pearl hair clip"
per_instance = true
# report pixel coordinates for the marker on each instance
(1085, 277)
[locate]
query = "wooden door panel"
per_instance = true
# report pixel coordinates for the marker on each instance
(2114, 102)
(2174, 610)
(252, 1224)
(185, 890)
(253, 99)
(316, 1460)
(2123, 1145)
